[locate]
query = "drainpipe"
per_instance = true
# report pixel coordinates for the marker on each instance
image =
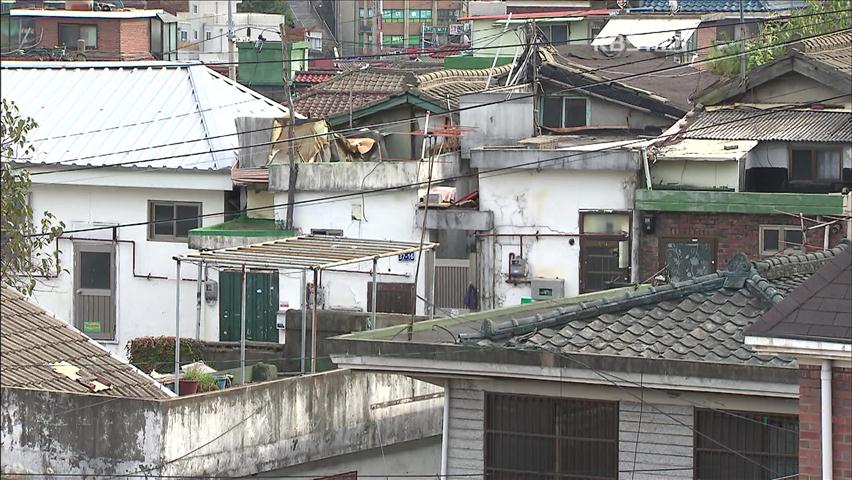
(825, 411)
(445, 429)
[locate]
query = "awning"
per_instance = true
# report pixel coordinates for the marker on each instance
(706, 150)
(647, 33)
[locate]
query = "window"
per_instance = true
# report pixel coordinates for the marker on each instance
(361, 12)
(393, 15)
(392, 40)
(414, 40)
(208, 35)
(422, 15)
(813, 164)
(447, 16)
(195, 9)
(195, 34)
(559, 112)
(778, 238)
(543, 437)
(173, 220)
(365, 39)
(183, 36)
(770, 441)
(70, 33)
(556, 33)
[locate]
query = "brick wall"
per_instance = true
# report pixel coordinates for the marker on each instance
(810, 452)
(108, 35)
(733, 233)
(135, 39)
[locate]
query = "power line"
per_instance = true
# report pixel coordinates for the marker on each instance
(408, 120)
(437, 181)
(603, 68)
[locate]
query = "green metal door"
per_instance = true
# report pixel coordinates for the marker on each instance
(261, 306)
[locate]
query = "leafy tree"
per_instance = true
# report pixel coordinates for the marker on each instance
(26, 249)
(816, 17)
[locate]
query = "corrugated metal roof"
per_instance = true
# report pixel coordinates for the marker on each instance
(781, 125)
(97, 114)
(308, 252)
(706, 150)
(31, 340)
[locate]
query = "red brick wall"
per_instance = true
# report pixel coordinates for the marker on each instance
(810, 452)
(706, 35)
(108, 35)
(135, 39)
(734, 233)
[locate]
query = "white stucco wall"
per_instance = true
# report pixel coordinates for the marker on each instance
(143, 306)
(549, 202)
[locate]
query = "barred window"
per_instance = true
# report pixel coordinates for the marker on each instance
(556, 438)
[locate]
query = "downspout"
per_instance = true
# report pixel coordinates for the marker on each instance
(825, 424)
(644, 154)
(445, 429)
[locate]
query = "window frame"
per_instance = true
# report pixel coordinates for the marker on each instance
(62, 25)
(447, 15)
(563, 403)
(562, 110)
(734, 416)
(813, 149)
(393, 15)
(781, 229)
(159, 237)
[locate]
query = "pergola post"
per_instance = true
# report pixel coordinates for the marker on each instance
(304, 298)
(372, 324)
(177, 326)
(314, 323)
(243, 328)
(199, 293)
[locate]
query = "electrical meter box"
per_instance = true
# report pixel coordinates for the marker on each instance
(547, 288)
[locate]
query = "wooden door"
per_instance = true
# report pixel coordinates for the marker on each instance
(94, 289)
(261, 306)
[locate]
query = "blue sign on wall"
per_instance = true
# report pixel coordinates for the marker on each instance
(407, 257)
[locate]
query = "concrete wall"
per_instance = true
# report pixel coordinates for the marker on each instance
(549, 201)
(790, 87)
(696, 174)
(499, 124)
(235, 432)
(143, 306)
(420, 458)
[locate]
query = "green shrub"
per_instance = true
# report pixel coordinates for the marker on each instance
(207, 382)
(158, 353)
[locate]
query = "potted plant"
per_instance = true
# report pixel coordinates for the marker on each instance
(207, 383)
(189, 382)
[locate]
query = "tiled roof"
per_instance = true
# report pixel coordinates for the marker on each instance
(700, 320)
(676, 85)
(834, 51)
(31, 340)
(780, 125)
(313, 77)
(721, 5)
(360, 88)
(818, 309)
(87, 111)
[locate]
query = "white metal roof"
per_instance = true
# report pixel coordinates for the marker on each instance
(109, 113)
(707, 150)
(24, 12)
(647, 33)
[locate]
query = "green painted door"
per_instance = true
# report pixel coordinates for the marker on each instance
(261, 306)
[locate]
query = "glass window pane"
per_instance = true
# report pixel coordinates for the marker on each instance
(800, 165)
(792, 238)
(616, 223)
(575, 112)
(95, 270)
(164, 212)
(190, 214)
(551, 111)
(68, 35)
(828, 164)
(558, 33)
(770, 239)
(89, 33)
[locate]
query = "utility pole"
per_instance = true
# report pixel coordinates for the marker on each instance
(743, 55)
(232, 66)
(294, 169)
(377, 12)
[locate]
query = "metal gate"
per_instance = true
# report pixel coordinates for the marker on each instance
(261, 306)
(452, 280)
